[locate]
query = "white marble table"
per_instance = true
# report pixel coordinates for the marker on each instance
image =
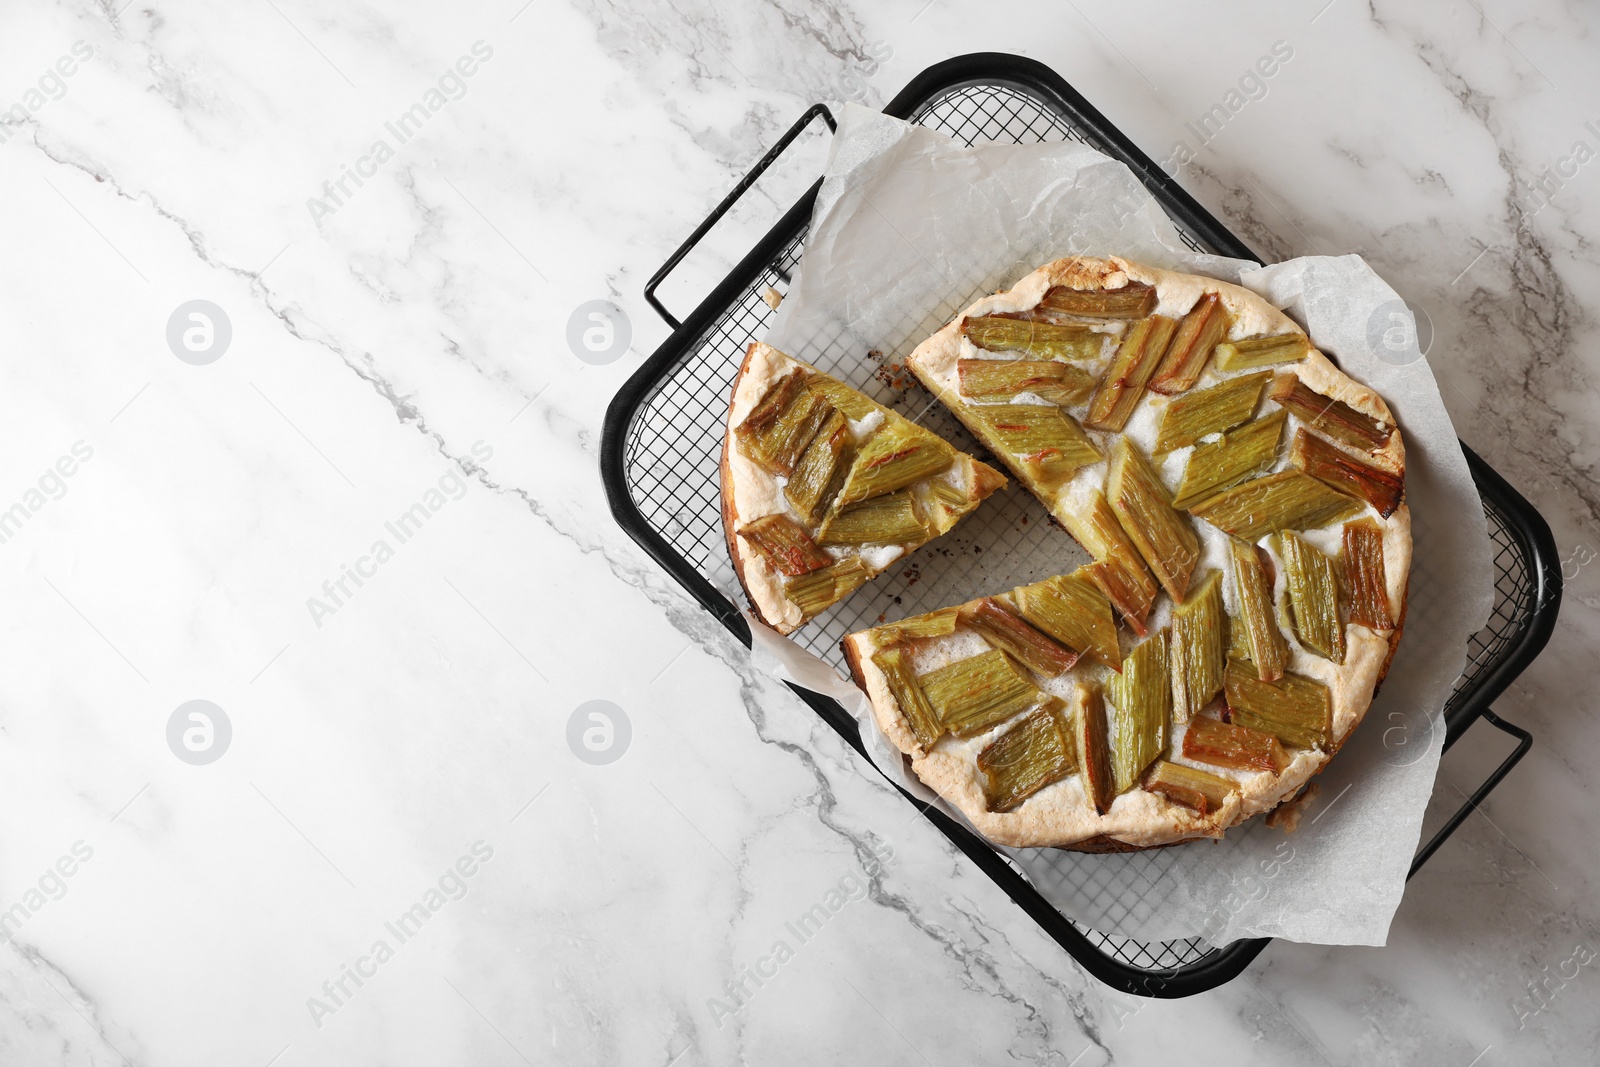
(372, 534)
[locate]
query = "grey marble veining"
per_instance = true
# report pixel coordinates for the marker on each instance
(400, 342)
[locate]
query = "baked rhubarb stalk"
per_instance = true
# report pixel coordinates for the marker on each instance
(1133, 301)
(1298, 711)
(1005, 379)
(1252, 586)
(1335, 467)
(814, 592)
(1287, 500)
(1199, 626)
(1074, 611)
(1005, 629)
(893, 519)
(786, 545)
(1125, 379)
(776, 432)
(1193, 788)
(895, 456)
(1118, 570)
(1046, 444)
(821, 470)
(1205, 324)
(1313, 596)
(1204, 412)
(1249, 353)
(1239, 748)
(941, 623)
(1034, 753)
(1142, 697)
(1364, 575)
(855, 405)
(1164, 537)
(1093, 750)
(1241, 452)
(1334, 418)
(1034, 337)
(896, 667)
(942, 504)
(972, 695)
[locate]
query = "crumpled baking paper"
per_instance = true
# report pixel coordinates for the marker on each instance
(909, 227)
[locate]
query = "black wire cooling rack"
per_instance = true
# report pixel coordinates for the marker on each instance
(663, 438)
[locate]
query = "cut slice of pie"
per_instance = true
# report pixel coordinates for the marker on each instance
(823, 488)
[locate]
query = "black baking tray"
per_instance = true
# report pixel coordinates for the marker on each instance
(663, 435)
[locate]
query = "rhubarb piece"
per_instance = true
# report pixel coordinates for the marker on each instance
(971, 695)
(855, 405)
(1072, 610)
(1124, 380)
(1132, 592)
(1214, 466)
(1133, 301)
(1117, 570)
(1004, 629)
(1252, 587)
(1221, 407)
(786, 545)
(883, 520)
(1240, 748)
(1002, 379)
(940, 623)
(1313, 596)
(1199, 625)
(1164, 537)
(1046, 441)
(896, 455)
(1238, 638)
(1205, 324)
(776, 432)
(1193, 788)
(1287, 500)
(1333, 466)
(950, 495)
(1031, 755)
(1296, 710)
(1093, 750)
(815, 592)
(1249, 353)
(821, 472)
(1036, 337)
(1364, 575)
(942, 503)
(1334, 418)
(945, 498)
(896, 668)
(1142, 696)
(774, 402)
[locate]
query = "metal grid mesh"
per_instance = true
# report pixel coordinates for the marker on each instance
(671, 465)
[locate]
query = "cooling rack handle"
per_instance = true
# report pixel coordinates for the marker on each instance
(732, 198)
(1524, 742)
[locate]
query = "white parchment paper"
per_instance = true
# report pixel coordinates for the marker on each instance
(908, 228)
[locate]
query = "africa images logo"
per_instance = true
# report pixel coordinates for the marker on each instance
(451, 86)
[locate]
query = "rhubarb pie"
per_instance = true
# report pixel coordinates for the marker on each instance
(1242, 501)
(824, 488)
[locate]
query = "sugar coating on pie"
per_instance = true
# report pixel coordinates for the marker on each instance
(824, 488)
(1242, 500)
